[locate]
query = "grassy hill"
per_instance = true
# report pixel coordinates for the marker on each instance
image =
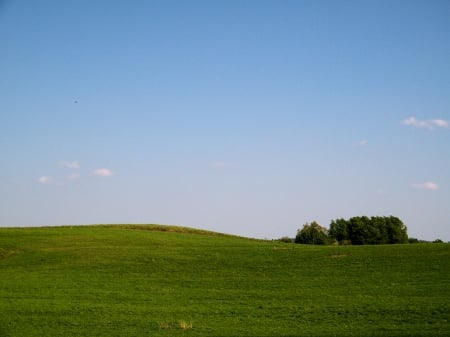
(172, 281)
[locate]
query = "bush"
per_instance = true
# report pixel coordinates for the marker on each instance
(286, 239)
(312, 234)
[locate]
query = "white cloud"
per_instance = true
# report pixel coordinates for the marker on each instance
(44, 180)
(363, 142)
(426, 124)
(103, 172)
(70, 164)
(429, 185)
(413, 121)
(440, 123)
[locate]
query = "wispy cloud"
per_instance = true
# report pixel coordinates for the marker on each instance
(44, 180)
(429, 185)
(103, 172)
(426, 124)
(70, 164)
(363, 142)
(73, 176)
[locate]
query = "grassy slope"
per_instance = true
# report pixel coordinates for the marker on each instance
(118, 281)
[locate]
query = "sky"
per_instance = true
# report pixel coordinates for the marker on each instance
(244, 117)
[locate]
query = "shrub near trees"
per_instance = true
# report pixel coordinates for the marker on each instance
(360, 230)
(312, 234)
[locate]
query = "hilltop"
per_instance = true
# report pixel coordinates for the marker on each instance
(152, 280)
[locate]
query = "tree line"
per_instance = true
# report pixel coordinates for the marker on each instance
(360, 230)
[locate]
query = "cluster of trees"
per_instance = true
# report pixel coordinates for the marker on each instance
(359, 230)
(364, 230)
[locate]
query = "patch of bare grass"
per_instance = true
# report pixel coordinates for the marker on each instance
(5, 253)
(337, 256)
(185, 325)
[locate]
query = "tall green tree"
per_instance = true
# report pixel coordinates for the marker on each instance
(339, 230)
(379, 223)
(358, 231)
(396, 230)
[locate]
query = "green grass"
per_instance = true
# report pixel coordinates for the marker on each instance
(173, 281)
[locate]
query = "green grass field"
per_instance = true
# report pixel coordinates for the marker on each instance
(171, 281)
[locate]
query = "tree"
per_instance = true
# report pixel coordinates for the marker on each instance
(397, 231)
(312, 234)
(358, 231)
(339, 230)
(379, 223)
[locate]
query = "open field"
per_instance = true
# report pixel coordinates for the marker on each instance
(171, 281)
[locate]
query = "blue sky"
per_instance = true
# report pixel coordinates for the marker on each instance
(245, 117)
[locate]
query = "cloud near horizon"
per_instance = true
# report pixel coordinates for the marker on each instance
(429, 185)
(429, 124)
(103, 172)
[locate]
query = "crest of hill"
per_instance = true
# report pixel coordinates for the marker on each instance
(154, 228)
